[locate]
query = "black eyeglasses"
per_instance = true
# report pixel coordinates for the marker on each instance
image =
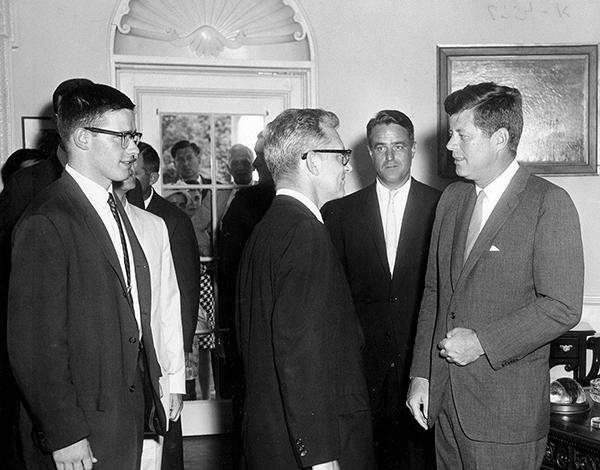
(344, 153)
(126, 137)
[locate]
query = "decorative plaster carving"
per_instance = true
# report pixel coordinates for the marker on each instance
(207, 27)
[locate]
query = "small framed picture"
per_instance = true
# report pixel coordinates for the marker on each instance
(37, 131)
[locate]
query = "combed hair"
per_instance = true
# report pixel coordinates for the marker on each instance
(65, 87)
(182, 144)
(292, 133)
(390, 116)
(494, 107)
(86, 104)
(149, 156)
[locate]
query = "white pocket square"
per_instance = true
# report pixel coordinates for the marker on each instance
(494, 248)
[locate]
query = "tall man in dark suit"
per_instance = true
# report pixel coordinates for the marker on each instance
(23, 186)
(79, 335)
(504, 278)
(186, 259)
(247, 209)
(306, 402)
(382, 236)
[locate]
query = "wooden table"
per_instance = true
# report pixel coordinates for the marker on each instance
(572, 443)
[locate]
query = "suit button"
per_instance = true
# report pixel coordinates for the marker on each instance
(303, 453)
(132, 340)
(132, 388)
(393, 364)
(298, 442)
(452, 315)
(393, 299)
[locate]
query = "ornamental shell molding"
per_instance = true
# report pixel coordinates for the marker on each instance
(207, 27)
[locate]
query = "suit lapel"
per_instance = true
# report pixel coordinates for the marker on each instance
(504, 208)
(372, 218)
(95, 226)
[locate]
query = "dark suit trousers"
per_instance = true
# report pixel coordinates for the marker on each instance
(400, 443)
(172, 454)
(455, 451)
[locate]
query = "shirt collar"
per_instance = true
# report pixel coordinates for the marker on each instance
(149, 198)
(94, 192)
(303, 199)
(384, 191)
(496, 188)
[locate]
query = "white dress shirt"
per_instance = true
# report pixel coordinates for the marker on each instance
(495, 190)
(98, 197)
(400, 199)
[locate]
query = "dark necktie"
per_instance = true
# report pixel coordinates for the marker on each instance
(113, 208)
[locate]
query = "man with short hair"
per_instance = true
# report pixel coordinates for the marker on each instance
(165, 319)
(79, 334)
(382, 235)
(504, 278)
(186, 259)
(246, 210)
(306, 403)
(16, 195)
(239, 164)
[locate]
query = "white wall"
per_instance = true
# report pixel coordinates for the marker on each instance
(372, 54)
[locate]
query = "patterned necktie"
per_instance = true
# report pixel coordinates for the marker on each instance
(391, 235)
(113, 208)
(474, 224)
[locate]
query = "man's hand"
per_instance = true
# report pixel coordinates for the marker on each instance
(333, 465)
(77, 456)
(461, 346)
(417, 400)
(176, 405)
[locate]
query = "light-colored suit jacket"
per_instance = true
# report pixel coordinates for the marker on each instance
(520, 288)
(166, 308)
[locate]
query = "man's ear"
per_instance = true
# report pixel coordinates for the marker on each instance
(313, 163)
(501, 138)
(81, 138)
(153, 177)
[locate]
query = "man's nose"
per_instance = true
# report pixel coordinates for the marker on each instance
(348, 168)
(451, 144)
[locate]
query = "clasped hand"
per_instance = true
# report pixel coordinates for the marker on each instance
(460, 346)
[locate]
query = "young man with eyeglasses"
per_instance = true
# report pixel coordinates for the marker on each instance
(382, 235)
(79, 335)
(306, 402)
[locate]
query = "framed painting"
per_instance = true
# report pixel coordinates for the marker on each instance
(36, 131)
(560, 98)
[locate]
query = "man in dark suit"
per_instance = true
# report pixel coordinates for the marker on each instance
(306, 402)
(504, 278)
(79, 336)
(186, 259)
(383, 245)
(22, 187)
(246, 210)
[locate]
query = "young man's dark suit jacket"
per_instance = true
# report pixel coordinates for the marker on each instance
(72, 335)
(520, 288)
(387, 306)
(306, 399)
